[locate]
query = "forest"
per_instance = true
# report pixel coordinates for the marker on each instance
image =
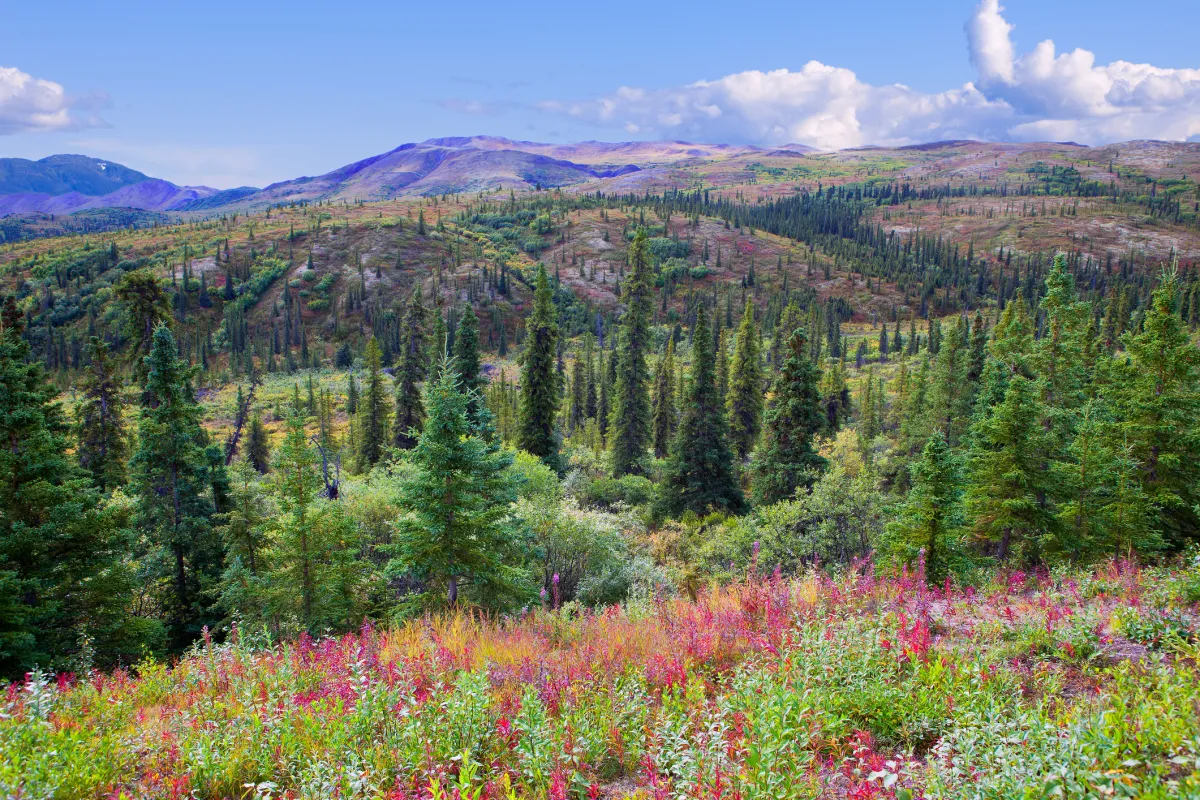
(745, 490)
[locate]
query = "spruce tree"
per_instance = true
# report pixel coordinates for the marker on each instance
(372, 410)
(745, 396)
(294, 555)
(351, 394)
(950, 394)
(457, 529)
(146, 306)
(411, 371)
(540, 391)
(786, 459)
(466, 360)
(700, 474)
(62, 572)
(258, 451)
(603, 410)
(244, 532)
(721, 363)
(171, 482)
(631, 404)
(1155, 393)
(1008, 484)
(576, 411)
(100, 419)
(1058, 356)
(931, 514)
(664, 402)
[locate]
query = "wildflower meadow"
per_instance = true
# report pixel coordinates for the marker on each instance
(1033, 685)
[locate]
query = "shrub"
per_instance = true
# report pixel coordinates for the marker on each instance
(609, 493)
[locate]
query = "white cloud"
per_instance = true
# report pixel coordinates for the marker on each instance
(29, 104)
(219, 167)
(1039, 95)
(988, 43)
(481, 108)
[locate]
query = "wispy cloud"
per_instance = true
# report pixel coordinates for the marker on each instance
(30, 105)
(1038, 95)
(479, 108)
(221, 167)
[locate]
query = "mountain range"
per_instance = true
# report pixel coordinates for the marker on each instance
(64, 184)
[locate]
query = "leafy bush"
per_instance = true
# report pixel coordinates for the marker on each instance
(662, 248)
(585, 555)
(537, 479)
(609, 493)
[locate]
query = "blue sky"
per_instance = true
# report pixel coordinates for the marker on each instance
(232, 93)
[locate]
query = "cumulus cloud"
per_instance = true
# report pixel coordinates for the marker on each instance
(1036, 96)
(29, 104)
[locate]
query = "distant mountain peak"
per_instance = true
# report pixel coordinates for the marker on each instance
(62, 174)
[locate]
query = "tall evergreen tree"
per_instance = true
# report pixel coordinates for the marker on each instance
(295, 557)
(171, 482)
(786, 459)
(950, 395)
(603, 408)
(100, 419)
(457, 531)
(372, 410)
(351, 394)
(631, 407)
(540, 392)
(700, 474)
(576, 411)
(721, 362)
(1155, 393)
(466, 360)
(63, 579)
(146, 306)
(931, 514)
(411, 371)
(664, 402)
(744, 399)
(1008, 484)
(258, 450)
(1058, 356)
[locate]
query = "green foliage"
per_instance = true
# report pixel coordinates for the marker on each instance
(786, 460)
(100, 420)
(631, 416)
(1007, 483)
(700, 474)
(745, 396)
(585, 555)
(372, 410)
(932, 513)
(660, 248)
(466, 360)
(1155, 393)
(610, 494)
(146, 307)
(410, 373)
(171, 479)
(540, 391)
(64, 579)
(457, 529)
(665, 417)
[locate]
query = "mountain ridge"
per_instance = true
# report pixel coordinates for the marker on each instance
(65, 184)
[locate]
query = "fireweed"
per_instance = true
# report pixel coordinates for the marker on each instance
(855, 686)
